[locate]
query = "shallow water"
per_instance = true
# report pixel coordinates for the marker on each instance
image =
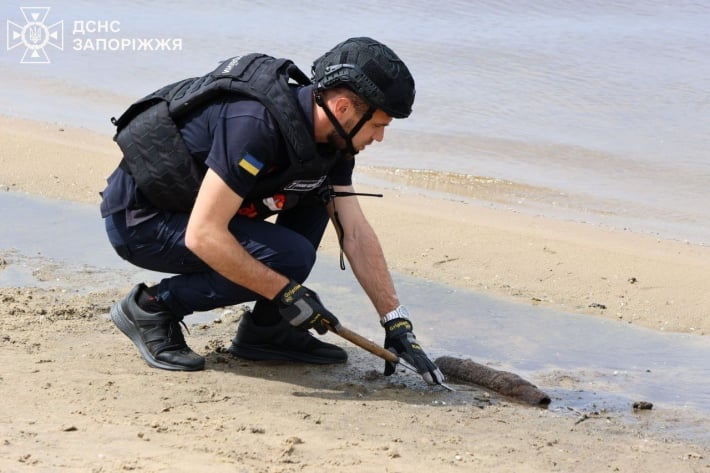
(606, 99)
(585, 363)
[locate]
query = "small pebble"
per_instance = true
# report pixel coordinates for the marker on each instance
(643, 405)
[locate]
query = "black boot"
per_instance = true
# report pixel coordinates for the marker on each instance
(282, 341)
(157, 335)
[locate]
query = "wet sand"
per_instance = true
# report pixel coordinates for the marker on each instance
(79, 398)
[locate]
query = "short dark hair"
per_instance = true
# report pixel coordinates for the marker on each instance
(360, 105)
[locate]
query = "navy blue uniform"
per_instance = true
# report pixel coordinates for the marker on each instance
(241, 143)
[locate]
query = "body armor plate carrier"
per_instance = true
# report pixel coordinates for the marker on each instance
(156, 156)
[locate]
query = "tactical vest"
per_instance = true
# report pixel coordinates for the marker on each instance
(164, 170)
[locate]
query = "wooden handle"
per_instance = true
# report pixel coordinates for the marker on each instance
(366, 344)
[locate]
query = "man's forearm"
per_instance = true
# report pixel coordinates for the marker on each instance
(370, 268)
(223, 253)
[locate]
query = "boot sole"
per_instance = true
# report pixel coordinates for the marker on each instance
(124, 324)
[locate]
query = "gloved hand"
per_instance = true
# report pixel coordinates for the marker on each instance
(400, 340)
(303, 309)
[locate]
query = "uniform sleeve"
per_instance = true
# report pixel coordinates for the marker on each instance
(245, 145)
(342, 172)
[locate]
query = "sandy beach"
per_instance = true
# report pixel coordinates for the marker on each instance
(77, 397)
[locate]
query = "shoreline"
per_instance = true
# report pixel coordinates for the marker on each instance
(80, 398)
(517, 197)
(531, 259)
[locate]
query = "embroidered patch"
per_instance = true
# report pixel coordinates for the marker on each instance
(250, 164)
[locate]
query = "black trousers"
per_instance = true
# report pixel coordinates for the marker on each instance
(158, 244)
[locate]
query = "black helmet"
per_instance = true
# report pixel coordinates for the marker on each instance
(371, 70)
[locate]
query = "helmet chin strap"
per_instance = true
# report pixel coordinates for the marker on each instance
(349, 148)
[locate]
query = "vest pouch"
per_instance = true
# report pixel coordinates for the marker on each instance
(149, 142)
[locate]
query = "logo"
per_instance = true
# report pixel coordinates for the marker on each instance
(231, 64)
(304, 185)
(35, 35)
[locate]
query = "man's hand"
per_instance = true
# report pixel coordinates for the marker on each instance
(303, 309)
(400, 340)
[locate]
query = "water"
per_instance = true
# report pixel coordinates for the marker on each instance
(583, 362)
(604, 101)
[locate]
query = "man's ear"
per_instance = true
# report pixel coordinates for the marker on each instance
(341, 105)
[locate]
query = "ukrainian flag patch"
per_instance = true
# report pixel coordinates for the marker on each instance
(250, 164)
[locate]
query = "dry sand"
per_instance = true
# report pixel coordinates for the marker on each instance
(77, 397)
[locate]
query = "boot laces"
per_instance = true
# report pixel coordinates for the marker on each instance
(175, 335)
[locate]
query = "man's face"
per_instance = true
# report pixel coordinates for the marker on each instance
(372, 130)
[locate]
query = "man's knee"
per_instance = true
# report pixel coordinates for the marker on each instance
(297, 259)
